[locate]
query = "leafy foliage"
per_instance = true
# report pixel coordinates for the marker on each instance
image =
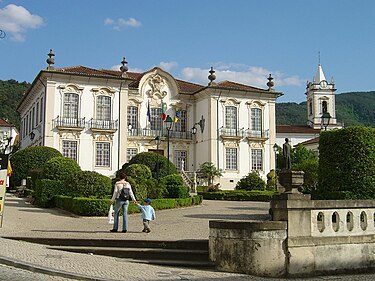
(87, 184)
(174, 184)
(11, 92)
(208, 171)
(45, 190)
(252, 181)
(151, 160)
(28, 159)
(60, 168)
(347, 162)
(139, 177)
(239, 195)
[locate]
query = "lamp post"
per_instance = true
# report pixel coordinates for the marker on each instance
(157, 141)
(325, 120)
(169, 122)
(201, 124)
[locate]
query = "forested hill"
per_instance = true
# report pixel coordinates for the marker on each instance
(352, 109)
(10, 95)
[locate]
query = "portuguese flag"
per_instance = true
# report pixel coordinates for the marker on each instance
(163, 116)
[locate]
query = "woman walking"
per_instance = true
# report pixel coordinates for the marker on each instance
(122, 193)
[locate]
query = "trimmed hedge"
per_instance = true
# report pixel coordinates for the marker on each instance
(240, 195)
(45, 190)
(99, 207)
(347, 162)
(60, 168)
(28, 159)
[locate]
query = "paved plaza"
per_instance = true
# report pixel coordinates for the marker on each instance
(23, 219)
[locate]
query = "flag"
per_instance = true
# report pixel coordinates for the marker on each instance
(148, 112)
(9, 171)
(177, 116)
(163, 116)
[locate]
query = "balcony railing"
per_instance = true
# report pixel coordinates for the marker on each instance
(134, 132)
(253, 134)
(69, 122)
(103, 125)
(232, 133)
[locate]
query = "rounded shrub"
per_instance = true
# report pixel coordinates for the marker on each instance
(153, 161)
(139, 176)
(30, 158)
(251, 182)
(60, 168)
(88, 184)
(175, 186)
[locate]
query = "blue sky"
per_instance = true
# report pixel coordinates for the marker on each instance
(243, 40)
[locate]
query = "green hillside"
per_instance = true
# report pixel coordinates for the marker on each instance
(10, 95)
(352, 109)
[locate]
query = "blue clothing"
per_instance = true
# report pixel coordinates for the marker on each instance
(118, 206)
(148, 212)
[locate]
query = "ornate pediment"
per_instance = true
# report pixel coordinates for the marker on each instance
(157, 87)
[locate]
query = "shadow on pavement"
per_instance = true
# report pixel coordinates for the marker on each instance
(231, 217)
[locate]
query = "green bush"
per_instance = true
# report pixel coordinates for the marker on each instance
(271, 180)
(156, 189)
(239, 195)
(151, 159)
(251, 182)
(100, 207)
(45, 190)
(88, 184)
(139, 176)
(347, 162)
(174, 185)
(28, 159)
(60, 168)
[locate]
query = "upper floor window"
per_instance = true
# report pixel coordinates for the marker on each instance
(156, 121)
(324, 107)
(133, 116)
(131, 152)
(256, 119)
(103, 108)
(69, 149)
(231, 158)
(231, 117)
(180, 125)
(70, 105)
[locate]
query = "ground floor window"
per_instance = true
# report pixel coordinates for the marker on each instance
(103, 152)
(180, 159)
(231, 159)
(69, 149)
(256, 159)
(131, 152)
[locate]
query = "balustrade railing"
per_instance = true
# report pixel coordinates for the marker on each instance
(70, 122)
(98, 124)
(228, 132)
(161, 133)
(257, 134)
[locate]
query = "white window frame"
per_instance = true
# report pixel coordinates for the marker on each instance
(180, 125)
(70, 105)
(133, 116)
(231, 158)
(102, 154)
(156, 121)
(70, 149)
(180, 155)
(130, 153)
(103, 108)
(257, 159)
(231, 117)
(256, 121)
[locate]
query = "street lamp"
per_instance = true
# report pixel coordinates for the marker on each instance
(157, 141)
(169, 122)
(325, 119)
(201, 124)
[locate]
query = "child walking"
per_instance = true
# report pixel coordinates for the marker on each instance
(148, 213)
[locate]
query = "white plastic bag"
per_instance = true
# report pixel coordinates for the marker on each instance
(111, 215)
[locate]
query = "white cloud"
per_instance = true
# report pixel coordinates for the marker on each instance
(249, 75)
(167, 66)
(120, 23)
(15, 20)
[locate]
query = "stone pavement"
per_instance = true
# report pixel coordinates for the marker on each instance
(23, 219)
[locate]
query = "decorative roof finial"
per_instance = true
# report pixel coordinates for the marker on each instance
(212, 76)
(124, 67)
(50, 60)
(270, 83)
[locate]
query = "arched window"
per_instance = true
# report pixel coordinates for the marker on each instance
(324, 106)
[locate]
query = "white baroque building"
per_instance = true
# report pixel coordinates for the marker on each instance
(101, 118)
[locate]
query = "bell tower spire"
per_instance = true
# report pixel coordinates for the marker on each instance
(320, 99)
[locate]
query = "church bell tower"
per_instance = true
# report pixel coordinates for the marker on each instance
(320, 99)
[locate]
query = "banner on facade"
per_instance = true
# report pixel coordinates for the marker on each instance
(3, 180)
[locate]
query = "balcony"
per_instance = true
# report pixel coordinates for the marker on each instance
(108, 126)
(68, 123)
(253, 135)
(138, 132)
(229, 133)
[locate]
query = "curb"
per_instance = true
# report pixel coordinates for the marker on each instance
(49, 271)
